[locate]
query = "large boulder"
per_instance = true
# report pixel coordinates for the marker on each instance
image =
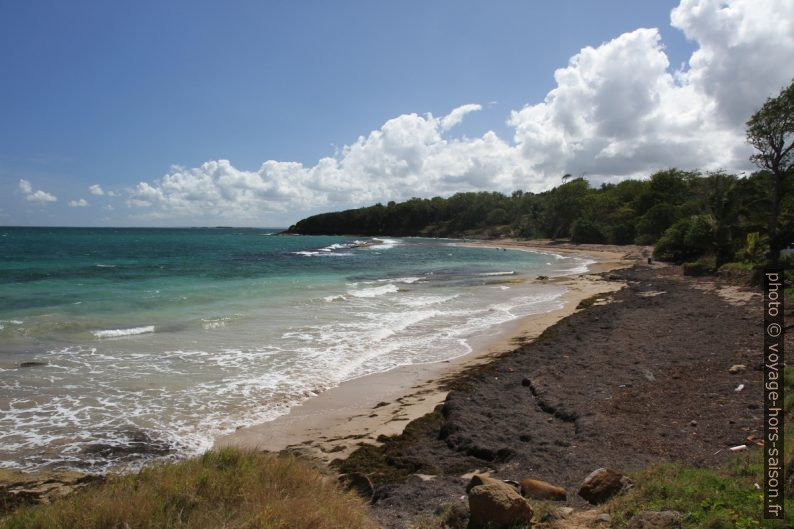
(540, 490)
(495, 504)
(656, 520)
(602, 484)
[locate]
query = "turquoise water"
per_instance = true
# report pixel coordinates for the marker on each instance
(150, 342)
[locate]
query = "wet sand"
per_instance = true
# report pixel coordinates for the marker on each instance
(333, 424)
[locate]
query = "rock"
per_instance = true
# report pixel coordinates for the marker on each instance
(540, 490)
(32, 363)
(358, 483)
(602, 484)
(656, 520)
(480, 479)
(603, 518)
(25, 488)
(497, 505)
(736, 368)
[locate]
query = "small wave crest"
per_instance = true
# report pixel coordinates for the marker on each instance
(374, 291)
(385, 244)
(114, 333)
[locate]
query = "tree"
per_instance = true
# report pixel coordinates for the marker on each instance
(771, 132)
(722, 205)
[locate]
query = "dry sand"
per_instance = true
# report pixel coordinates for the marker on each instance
(331, 425)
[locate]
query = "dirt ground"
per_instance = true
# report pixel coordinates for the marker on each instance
(639, 379)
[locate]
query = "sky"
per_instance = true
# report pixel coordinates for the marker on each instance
(258, 113)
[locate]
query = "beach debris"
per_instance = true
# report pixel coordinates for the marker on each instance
(603, 483)
(738, 448)
(649, 376)
(651, 293)
(536, 489)
(603, 518)
(693, 423)
(738, 388)
(656, 520)
(496, 504)
(736, 368)
(358, 483)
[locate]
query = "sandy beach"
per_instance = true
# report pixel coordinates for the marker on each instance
(333, 424)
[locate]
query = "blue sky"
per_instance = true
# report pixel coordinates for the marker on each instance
(116, 93)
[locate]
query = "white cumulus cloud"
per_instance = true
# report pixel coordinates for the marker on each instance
(96, 189)
(618, 109)
(408, 156)
(81, 203)
(37, 197)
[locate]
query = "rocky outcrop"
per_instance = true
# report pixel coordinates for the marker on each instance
(540, 490)
(22, 488)
(602, 484)
(496, 504)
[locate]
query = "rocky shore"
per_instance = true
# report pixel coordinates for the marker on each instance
(643, 375)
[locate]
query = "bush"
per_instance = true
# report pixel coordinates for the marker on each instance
(685, 240)
(587, 231)
(701, 267)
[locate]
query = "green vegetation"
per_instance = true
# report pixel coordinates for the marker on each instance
(225, 488)
(771, 132)
(687, 215)
(724, 498)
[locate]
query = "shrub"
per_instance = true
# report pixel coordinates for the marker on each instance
(687, 239)
(587, 231)
(701, 267)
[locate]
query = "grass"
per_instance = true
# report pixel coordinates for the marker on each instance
(737, 266)
(227, 488)
(723, 498)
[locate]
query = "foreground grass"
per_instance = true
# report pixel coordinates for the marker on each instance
(226, 488)
(724, 498)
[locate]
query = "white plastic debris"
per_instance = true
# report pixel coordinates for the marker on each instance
(739, 388)
(738, 448)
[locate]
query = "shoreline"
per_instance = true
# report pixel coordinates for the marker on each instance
(334, 423)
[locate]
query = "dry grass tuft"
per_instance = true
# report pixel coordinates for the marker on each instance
(226, 488)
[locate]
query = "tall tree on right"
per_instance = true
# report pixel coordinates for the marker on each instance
(771, 132)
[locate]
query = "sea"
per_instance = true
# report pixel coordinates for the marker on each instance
(123, 346)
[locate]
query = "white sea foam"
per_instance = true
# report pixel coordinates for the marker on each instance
(507, 273)
(408, 280)
(374, 291)
(385, 244)
(105, 266)
(186, 386)
(335, 298)
(114, 333)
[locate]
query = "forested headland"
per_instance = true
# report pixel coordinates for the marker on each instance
(716, 217)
